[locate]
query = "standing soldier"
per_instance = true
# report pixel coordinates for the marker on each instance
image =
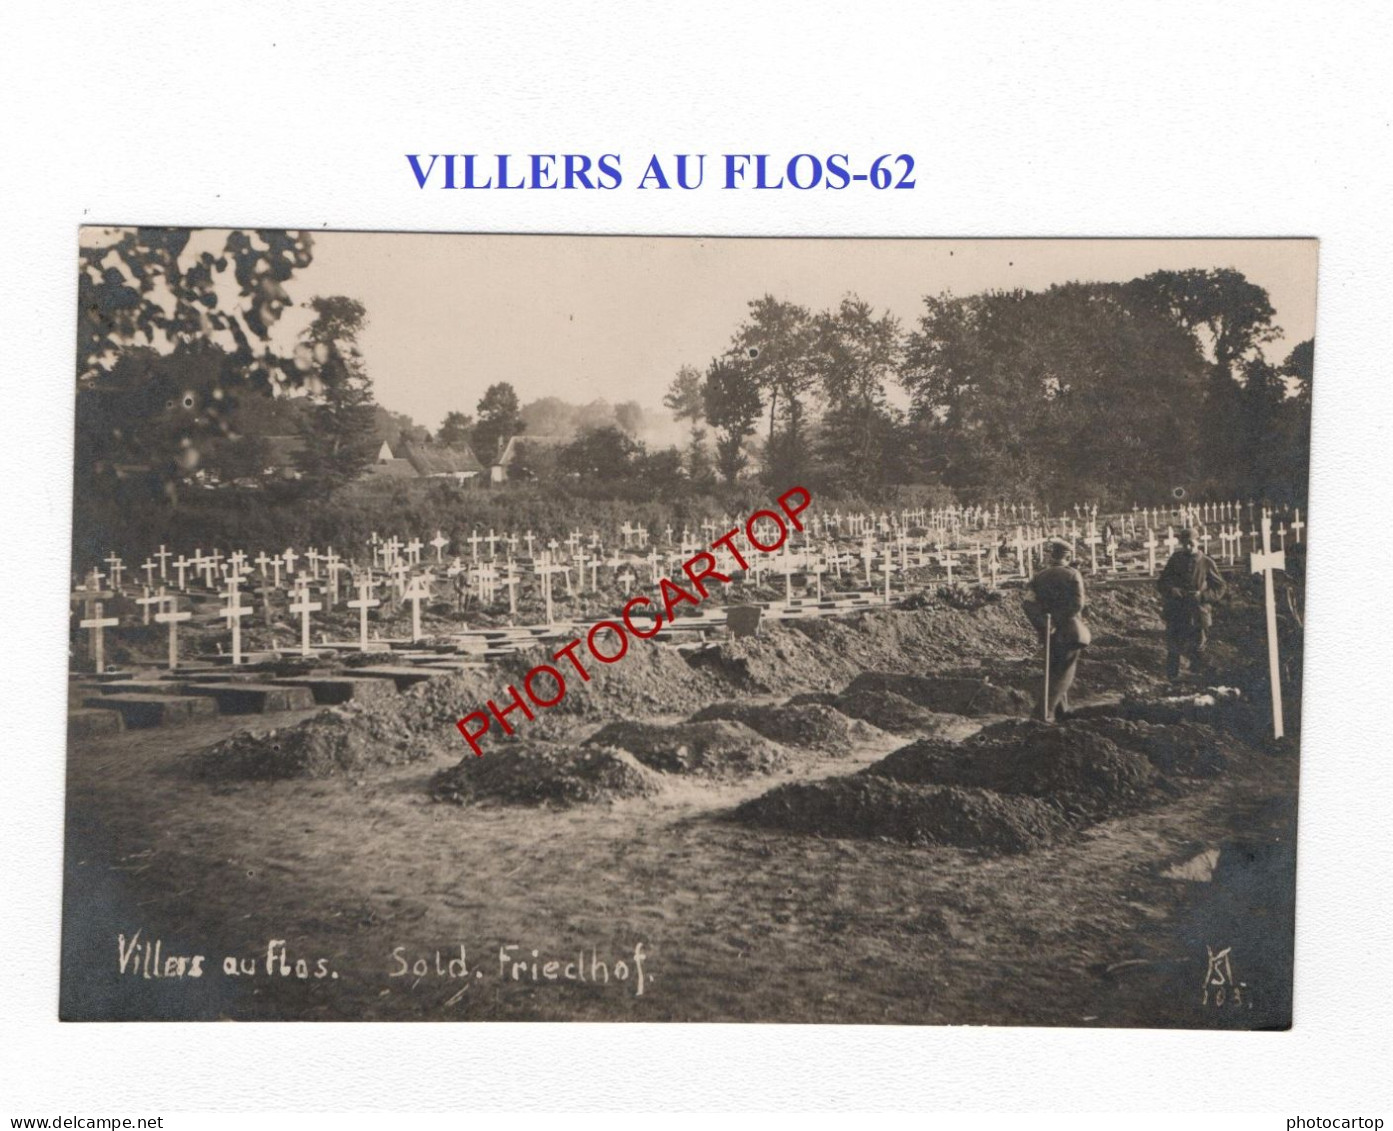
(1055, 607)
(1189, 584)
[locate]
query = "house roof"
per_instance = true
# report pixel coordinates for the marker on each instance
(516, 447)
(442, 459)
(392, 469)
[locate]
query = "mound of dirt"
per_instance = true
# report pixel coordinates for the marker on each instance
(1182, 749)
(1071, 766)
(859, 806)
(715, 749)
(812, 725)
(545, 773)
(957, 695)
(895, 713)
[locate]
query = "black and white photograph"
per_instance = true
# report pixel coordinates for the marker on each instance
(676, 629)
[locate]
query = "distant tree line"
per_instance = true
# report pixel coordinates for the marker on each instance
(1117, 392)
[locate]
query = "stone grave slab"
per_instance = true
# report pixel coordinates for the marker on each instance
(340, 689)
(85, 722)
(156, 710)
(403, 677)
(253, 698)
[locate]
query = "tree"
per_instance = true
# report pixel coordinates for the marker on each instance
(456, 428)
(606, 454)
(733, 405)
(338, 428)
(855, 357)
(773, 349)
(160, 287)
(499, 420)
(1229, 316)
(1073, 392)
(686, 399)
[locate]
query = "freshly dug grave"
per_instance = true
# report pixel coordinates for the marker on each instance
(895, 713)
(714, 749)
(1071, 766)
(877, 807)
(545, 773)
(1182, 749)
(957, 695)
(420, 723)
(810, 725)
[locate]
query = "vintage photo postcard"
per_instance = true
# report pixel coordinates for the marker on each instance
(673, 629)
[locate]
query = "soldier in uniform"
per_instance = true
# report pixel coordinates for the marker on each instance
(1189, 585)
(1055, 606)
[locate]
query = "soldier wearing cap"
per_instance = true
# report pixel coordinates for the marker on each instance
(1055, 607)
(1189, 585)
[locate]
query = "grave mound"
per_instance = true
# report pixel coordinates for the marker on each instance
(545, 773)
(1082, 772)
(812, 725)
(714, 749)
(883, 809)
(955, 695)
(895, 713)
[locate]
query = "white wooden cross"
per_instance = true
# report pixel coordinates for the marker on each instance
(172, 617)
(163, 556)
(276, 563)
(233, 613)
(364, 602)
(1297, 525)
(474, 539)
(304, 606)
(439, 542)
(529, 538)
(96, 623)
(417, 591)
(289, 558)
(413, 551)
(887, 564)
(117, 566)
(654, 560)
(262, 561)
(312, 556)
(1093, 539)
(949, 562)
(149, 568)
(626, 580)
(510, 582)
(1151, 545)
(146, 601)
(1265, 563)
(1171, 540)
(333, 566)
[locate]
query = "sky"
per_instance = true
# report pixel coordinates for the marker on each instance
(614, 317)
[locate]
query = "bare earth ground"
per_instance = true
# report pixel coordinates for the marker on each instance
(735, 923)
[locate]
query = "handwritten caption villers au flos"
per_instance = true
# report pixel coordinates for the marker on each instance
(147, 958)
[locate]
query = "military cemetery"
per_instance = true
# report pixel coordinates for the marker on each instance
(401, 724)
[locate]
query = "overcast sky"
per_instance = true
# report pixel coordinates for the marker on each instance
(614, 317)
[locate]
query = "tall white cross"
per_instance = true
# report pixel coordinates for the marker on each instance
(1297, 525)
(1264, 563)
(304, 606)
(417, 590)
(146, 600)
(172, 618)
(439, 542)
(163, 556)
(364, 602)
(233, 613)
(95, 623)
(116, 567)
